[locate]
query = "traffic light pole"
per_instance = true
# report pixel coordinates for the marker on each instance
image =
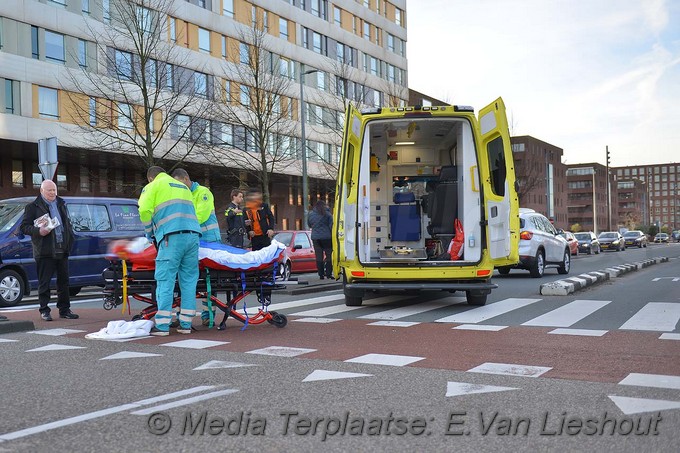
(609, 196)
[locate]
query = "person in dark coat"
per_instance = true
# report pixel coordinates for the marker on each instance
(260, 222)
(236, 226)
(320, 221)
(50, 248)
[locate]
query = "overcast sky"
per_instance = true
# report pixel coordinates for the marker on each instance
(579, 74)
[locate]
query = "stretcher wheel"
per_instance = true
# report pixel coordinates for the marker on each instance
(278, 319)
(137, 317)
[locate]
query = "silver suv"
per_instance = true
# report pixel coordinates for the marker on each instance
(540, 246)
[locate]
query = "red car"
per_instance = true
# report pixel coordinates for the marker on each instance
(571, 240)
(299, 254)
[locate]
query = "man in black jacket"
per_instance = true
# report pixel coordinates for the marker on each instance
(50, 247)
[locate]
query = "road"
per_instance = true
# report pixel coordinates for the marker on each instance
(526, 372)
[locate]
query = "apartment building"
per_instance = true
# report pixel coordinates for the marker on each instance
(587, 202)
(633, 208)
(661, 184)
(542, 178)
(343, 50)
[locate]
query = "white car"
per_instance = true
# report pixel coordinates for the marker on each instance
(540, 246)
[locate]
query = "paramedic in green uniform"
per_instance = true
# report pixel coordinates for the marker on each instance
(167, 211)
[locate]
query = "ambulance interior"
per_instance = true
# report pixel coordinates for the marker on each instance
(421, 175)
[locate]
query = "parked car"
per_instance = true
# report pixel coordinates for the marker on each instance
(572, 241)
(588, 242)
(635, 238)
(298, 255)
(675, 235)
(661, 237)
(96, 222)
(612, 240)
(540, 246)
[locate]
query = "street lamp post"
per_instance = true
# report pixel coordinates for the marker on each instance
(303, 146)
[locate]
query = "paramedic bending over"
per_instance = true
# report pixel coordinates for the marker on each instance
(167, 211)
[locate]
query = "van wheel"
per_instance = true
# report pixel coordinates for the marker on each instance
(74, 290)
(352, 301)
(475, 299)
(538, 267)
(566, 263)
(11, 288)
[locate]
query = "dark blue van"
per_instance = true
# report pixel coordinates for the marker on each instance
(96, 222)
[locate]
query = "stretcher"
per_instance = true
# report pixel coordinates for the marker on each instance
(222, 269)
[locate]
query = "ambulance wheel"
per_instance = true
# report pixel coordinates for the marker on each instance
(475, 299)
(278, 319)
(352, 301)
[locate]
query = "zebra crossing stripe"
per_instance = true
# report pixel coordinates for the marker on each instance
(477, 315)
(409, 310)
(304, 302)
(567, 315)
(335, 309)
(652, 380)
(655, 316)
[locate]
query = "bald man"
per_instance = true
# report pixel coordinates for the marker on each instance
(50, 248)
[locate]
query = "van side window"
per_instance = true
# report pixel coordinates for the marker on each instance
(497, 165)
(89, 217)
(126, 217)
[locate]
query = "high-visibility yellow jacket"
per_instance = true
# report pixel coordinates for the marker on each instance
(166, 206)
(204, 202)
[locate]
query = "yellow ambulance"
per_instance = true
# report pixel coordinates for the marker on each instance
(425, 200)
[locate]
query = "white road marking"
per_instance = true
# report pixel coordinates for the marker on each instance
(185, 402)
(568, 315)
(579, 332)
(56, 332)
(281, 351)
(477, 315)
(670, 336)
(195, 344)
(305, 302)
(98, 414)
(218, 364)
(631, 406)
(6, 340)
(317, 320)
(394, 323)
(409, 310)
(484, 327)
(510, 369)
(652, 380)
(655, 316)
(463, 388)
(130, 355)
(335, 309)
(55, 347)
(385, 359)
(325, 375)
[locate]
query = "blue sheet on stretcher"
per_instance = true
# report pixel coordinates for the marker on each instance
(221, 256)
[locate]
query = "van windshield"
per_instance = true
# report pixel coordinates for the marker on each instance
(9, 215)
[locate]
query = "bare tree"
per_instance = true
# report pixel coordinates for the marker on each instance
(141, 98)
(529, 176)
(394, 94)
(255, 109)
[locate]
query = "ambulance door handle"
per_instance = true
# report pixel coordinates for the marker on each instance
(473, 170)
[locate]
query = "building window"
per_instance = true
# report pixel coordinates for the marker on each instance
(173, 30)
(59, 2)
(244, 53)
(151, 72)
(35, 47)
(48, 102)
(124, 117)
(169, 76)
(397, 16)
(265, 21)
(245, 95)
(204, 40)
(224, 46)
(228, 8)
(253, 17)
(227, 135)
(201, 84)
(92, 107)
(337, 15)
(85, 183)
(17, 173)
(283, 28)
(144, 22)
(123, 64)
(106, 10)
(82, 53)
(10, 86)
(367, 31)
(62, 179)
(36, 176)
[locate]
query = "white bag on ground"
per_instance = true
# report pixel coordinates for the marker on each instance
(116, 330)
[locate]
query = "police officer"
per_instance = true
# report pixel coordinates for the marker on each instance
(204, 203)
(167, 211)
(236, 227)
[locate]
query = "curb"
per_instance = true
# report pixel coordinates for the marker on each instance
(8, 326)
(308, 289)
(572, 284)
